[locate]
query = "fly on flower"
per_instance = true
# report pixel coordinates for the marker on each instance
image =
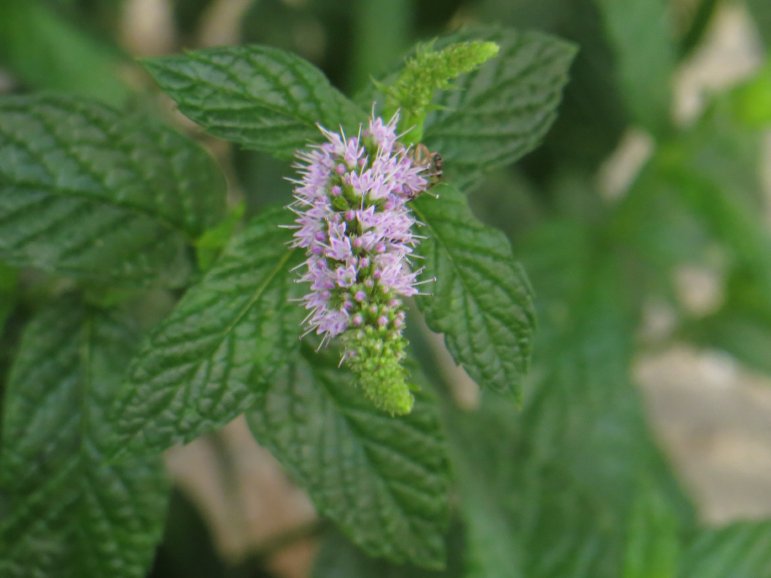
(356, 228)
(431, 162)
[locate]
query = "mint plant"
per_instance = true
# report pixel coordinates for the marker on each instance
(114, 204)
(150, 294)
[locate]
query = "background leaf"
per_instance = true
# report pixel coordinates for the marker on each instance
(740, 550)
(206, 363)
(88, 191)
(260, 97)
(583, 413)
(383, 480)
(48, 52)
(67, 513)
(642, 35)
(761, 12)
(499, 113)
(482, 446)
(704, 194)
(591, 114)
(652, 542)
(481, 300)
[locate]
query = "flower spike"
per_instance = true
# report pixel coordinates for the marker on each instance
(356, 228)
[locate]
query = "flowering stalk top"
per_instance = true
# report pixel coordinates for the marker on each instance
(354, 224)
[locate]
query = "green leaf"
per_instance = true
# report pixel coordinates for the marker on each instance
(584, 442)
(653, 543)
(565, 530)
(641, 33)
(761, 12)
(529, 514)
(710, 174)
(383, 480)
(481, 300)
(48, 52)
(483, 459)
(749, 101)
(584, 413)
(497, 114)
(523, 517)
(591, 118)
(260, 97)
(88, 191)
(67, 513)
(701, 189)
(741, 550)
(726, 216)
(207, 362)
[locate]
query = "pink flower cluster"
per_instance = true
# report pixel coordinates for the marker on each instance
(353, 221)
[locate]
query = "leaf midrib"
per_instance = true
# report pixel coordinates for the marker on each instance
(440, 240)
(222, 335)
(294, 114)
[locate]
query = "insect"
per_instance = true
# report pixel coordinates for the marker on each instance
(431, 162)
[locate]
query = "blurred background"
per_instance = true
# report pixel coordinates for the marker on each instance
(649, 196)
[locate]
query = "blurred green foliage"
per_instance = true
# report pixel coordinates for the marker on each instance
(49, 51)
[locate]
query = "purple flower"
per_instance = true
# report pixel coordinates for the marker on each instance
(354, 224)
